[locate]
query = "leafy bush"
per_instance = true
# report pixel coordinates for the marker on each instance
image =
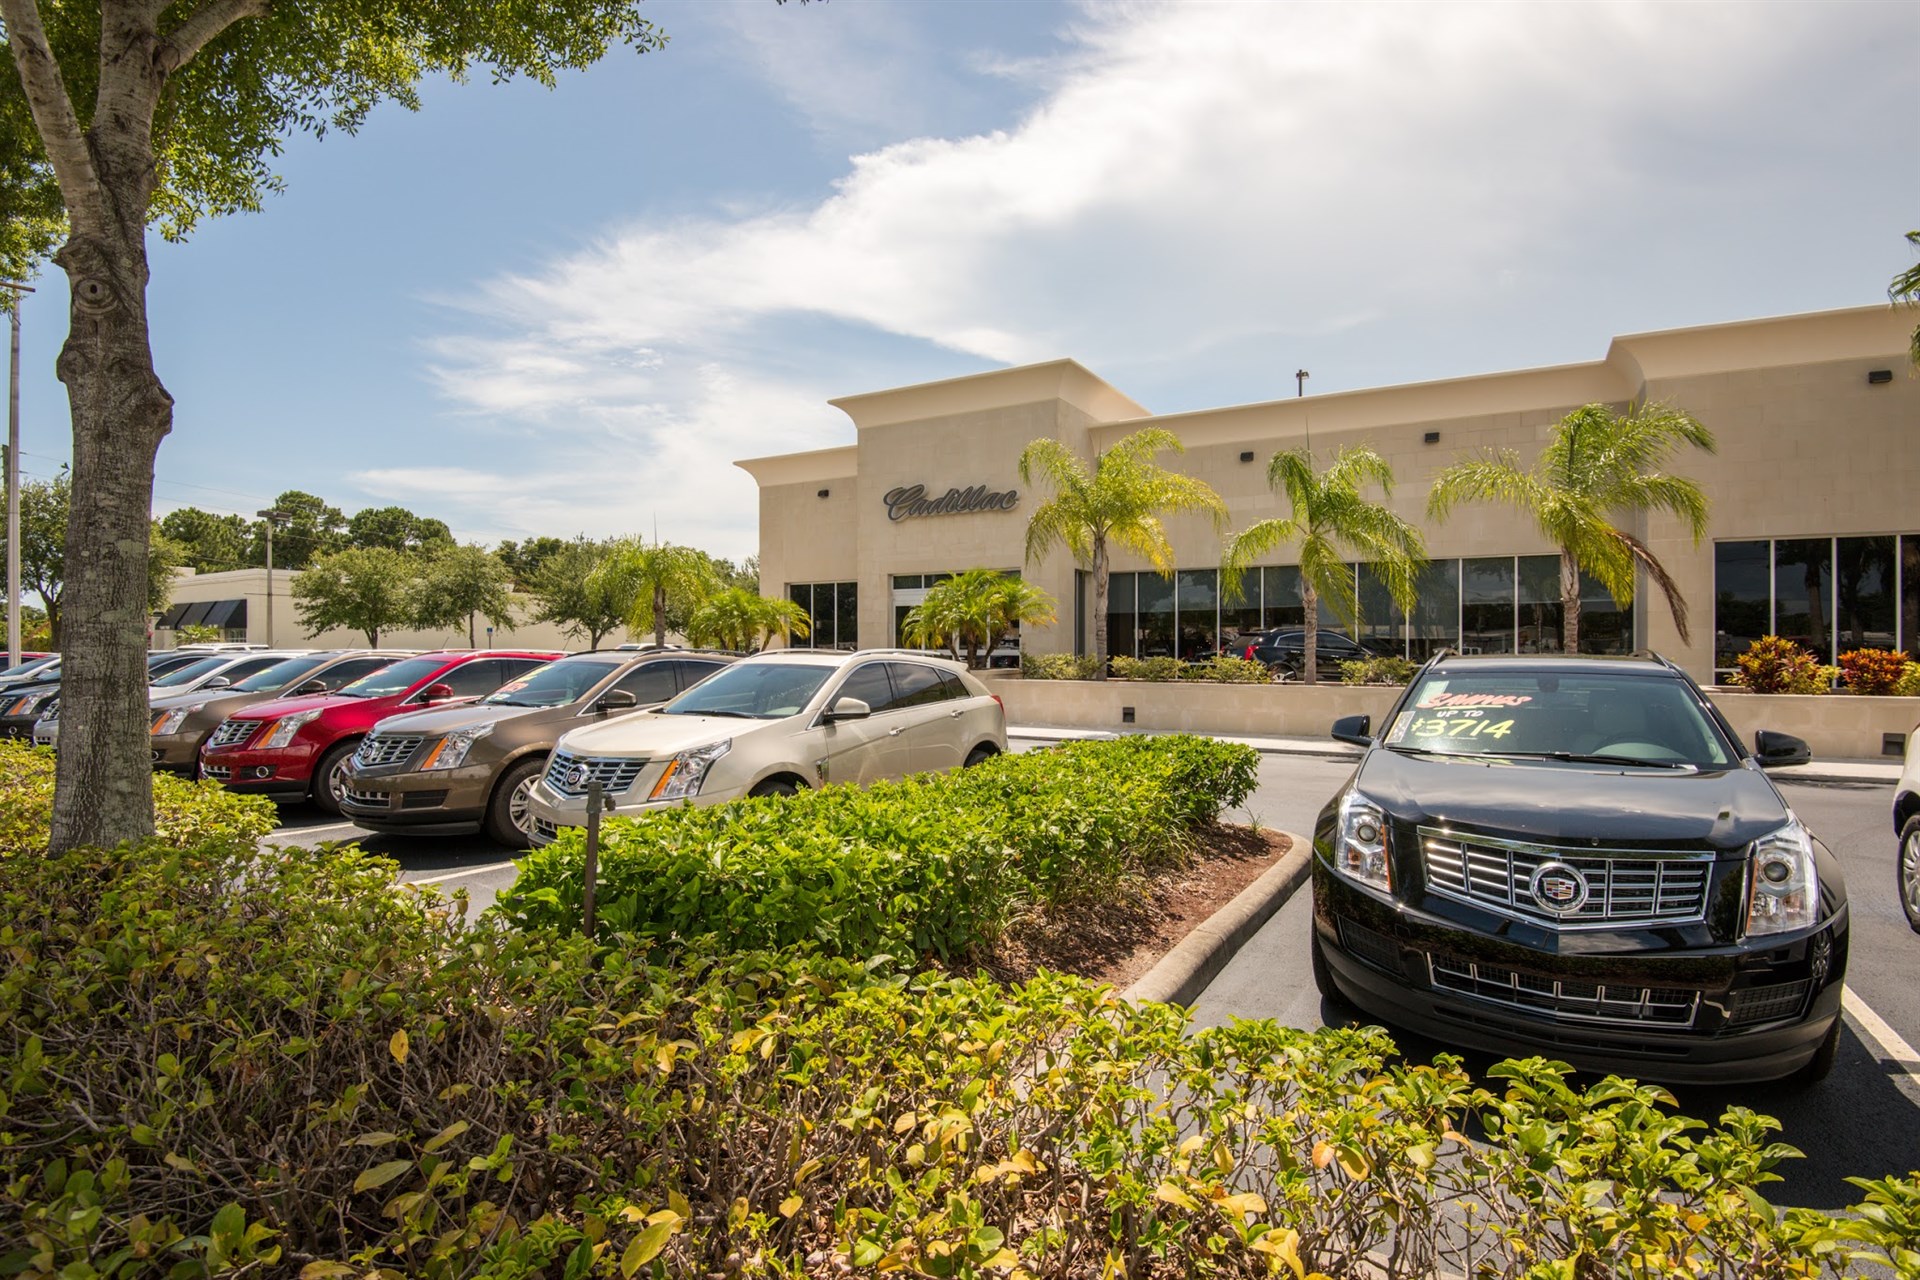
(1774, 665)
(1908, 686)
(1227, 669)
(1378, 671)
(216, 1064)
(934, 864)
(1058, 666)
(185, 813)
(1125, 668)
(1874, 672)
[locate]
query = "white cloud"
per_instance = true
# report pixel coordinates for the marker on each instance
(1195, 180)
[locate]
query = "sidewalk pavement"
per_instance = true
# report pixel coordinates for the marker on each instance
(1882, 772)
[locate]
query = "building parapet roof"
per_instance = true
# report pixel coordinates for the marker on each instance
(1066, 380)
(839, 463)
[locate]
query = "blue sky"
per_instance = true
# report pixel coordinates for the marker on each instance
(534, 312)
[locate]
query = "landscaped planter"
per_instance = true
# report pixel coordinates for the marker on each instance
(1836, 726)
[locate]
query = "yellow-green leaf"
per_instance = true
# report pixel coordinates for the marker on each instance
(326, 1270)
(645, 1247)
(398, 1046)
(380, 1138)
(446, 1135)
(1175, 1196)
(791, 1205)
(380, 1175)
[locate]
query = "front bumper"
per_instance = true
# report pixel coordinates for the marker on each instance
(18, 727)
(552, 810)
(1724, 1014)
(46, 733)
(433, 802)
(176, 752)
(282, 773)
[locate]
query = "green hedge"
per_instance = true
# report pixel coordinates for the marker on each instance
(185, 813)
(220, 1065)
(932, 865)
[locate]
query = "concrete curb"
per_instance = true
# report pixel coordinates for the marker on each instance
(1184, 972)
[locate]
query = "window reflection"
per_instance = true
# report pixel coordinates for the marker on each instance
(1540, 610)
(1486, 613)
(1863, 591)
(1803, 585)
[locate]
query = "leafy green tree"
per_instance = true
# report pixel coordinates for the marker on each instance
(569, 592)
(209, 543)
(1330, 518)
(1597, 465)
(523, 559)
(46, 508)
(970, 608)
(149, 113)
(308, 528)
(456, 584)
(736, 618)
(365, 589)
(1118, 504)
(1906, 287)
(398, 529)
(656, 576)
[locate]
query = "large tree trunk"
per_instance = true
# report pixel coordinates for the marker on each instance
(1099, 607)
(1569, 603)
(1310, 637)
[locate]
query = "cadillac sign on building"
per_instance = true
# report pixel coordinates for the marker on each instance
(911, 500)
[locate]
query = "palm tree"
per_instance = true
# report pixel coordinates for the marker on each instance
(1119, 503)
(1598, 463)
(1906, 286)
(1330, 518)
(739, 619)
(971, 607)
(652, 574)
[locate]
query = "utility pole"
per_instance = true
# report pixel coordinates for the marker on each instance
(13, 474)
(271, 515)
(1300, 382)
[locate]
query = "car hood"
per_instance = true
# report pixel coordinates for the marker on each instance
(443, 720)
(650, 734)
(312, 702)
(1724, 809)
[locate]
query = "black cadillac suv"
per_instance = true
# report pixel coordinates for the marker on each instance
(1575, 857)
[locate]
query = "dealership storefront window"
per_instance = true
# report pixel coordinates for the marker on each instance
(1828, 595)
(835, 610)
(1489, 604)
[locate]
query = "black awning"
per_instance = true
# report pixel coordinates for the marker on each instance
(196, 614)
(171, 618)
(228, 614)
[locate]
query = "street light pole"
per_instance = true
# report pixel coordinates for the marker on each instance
(13, 474)
(270, 515)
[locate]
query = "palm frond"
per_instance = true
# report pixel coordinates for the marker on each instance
(1676, 603)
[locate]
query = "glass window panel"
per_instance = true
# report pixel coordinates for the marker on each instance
(869, 683)
(1198, 591)
(1863, 585)
(823, 615)
(801, 593)
(1486, 612)
(1282, 607)
(1435, 624)
(1121, 624)
(1604, 626)
(846, 615)
(1910, 593)
(1382, 628)
(1240, 620)
(1742, 599)
(1539, 601)
(1155, 624)
(906, 581)
(1803, 583)
(900, 612)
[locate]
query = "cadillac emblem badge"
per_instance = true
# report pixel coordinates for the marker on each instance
(1558, 888)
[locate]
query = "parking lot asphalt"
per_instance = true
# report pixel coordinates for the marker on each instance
(1863, 1120)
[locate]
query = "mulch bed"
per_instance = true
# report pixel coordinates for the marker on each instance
(1117, 943)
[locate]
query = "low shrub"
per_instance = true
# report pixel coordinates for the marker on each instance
(218, 1065)
(1874, 672)
(1908, 686)
(1058, 666)
(184, 813)
(1774, 665)
(1378, 671)
(1227, 669)
(932, 865)
(1124, 668)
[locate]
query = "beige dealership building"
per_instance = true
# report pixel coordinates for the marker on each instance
(1814, 534)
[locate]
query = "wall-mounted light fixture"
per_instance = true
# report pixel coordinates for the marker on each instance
(1878, 376)
(1246, 455)
(825, 492)
(1433, 437)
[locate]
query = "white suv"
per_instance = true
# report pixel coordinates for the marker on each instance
(772, 725)
(1906, 829)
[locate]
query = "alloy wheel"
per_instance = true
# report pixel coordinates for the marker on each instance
(518, 811)
(1910, 872)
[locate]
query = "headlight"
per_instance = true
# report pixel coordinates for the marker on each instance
(451, 751)
(688, 770)
(28, 704)
(286, 726)
(1785, 892)
(1360, 846)
(170, 721)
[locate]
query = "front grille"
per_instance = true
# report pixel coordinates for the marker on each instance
(1375, 948)
(544, 832)
(1764, 1004)
(1623, 886)
(377, 750)
(569, 774)
(366, 799)
(51, 711)
(1565, 999)
(218, 772)
(422, 799)
(232, 733)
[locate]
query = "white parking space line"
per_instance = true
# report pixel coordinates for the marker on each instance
(293, 832)
(470, 871)
(1903, 1055)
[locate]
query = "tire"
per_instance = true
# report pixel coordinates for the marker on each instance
(508, 822)
(329, 777)
(1821, 1064)
(979, 755)
(1908, 871)
(775, 787)
(1322, 975)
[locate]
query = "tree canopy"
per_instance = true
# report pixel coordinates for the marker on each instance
(364, 589)
(456, 584)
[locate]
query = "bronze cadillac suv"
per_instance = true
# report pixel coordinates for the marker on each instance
(465, 768)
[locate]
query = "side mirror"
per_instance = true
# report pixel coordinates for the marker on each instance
(1354, 730)
(218, 682)
(847, 709)
(615, 700)
(311, 686)
(437, 693)
(1778, 750)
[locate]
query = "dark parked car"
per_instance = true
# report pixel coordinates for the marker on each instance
(1285, 651)
(1575, 857)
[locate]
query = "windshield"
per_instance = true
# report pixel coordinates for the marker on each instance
(554, 685)
(192, 671)
(754, 690)
(397, 678)
(280, 675)
(1593, 717)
